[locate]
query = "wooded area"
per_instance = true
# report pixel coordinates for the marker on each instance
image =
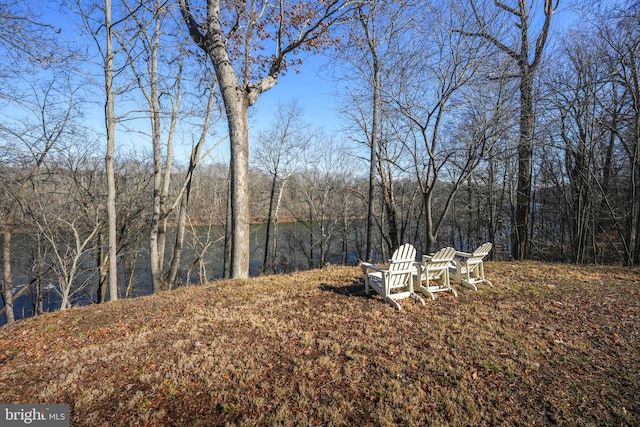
(513, 122)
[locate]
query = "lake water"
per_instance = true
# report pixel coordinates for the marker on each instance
(293, 244)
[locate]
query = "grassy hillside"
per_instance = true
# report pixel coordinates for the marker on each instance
(549, 344)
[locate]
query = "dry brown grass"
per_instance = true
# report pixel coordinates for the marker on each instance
(549, 344)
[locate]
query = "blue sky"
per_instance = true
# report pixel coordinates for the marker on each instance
(317, 94)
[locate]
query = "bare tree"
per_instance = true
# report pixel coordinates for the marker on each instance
(278, 152)
(231, 36)
(578, 89)
(156, 63)
(371, 54)
(133, 184)
(70, 243)
(26, 45)
(594, 94)
(622, 37)
(206, 219)
(110, 123)
(318, 184)
(202, 239)
(517, 43)
(424, 94)
(30, 146)
(147, 29)
(483, 158)
(186, 191)
(95, 17)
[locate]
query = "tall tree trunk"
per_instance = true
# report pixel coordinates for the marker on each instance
(236, 99)
(186, 195)
(518, 47)
(372, 43)
(253, 21)
(373, 153)
(6, 273)
(525, 154)
(161, 173)
(240, 218)
(110, 118)
(272, 196)
(156, 252)
(227, 232)
(370, 210)
(428, 217)
(276, 216)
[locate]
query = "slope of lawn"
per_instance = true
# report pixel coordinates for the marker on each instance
(548, 344)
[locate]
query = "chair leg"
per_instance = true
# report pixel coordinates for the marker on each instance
(394, 303)
(433, 297)
(488, 282)
(417, 279)
(447, 280)
(468, 284)
(366, 279)
(418, 298)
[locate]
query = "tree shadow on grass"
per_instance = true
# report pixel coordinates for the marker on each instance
(355, 289)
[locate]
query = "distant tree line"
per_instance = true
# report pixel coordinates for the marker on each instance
(464, 122)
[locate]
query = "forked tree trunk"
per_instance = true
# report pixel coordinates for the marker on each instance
(239, 95)
(236, 101)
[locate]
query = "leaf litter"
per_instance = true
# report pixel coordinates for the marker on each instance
(548, 344)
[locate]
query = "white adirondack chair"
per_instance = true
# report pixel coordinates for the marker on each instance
(434, 273)
(470, 267)
(396, 281)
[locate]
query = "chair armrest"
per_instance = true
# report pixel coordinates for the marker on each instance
(463, 254)
(367, 265)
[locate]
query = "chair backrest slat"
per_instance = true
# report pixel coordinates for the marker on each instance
(439, 261)
(479, 254)
(483, 249)
(402, 259)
